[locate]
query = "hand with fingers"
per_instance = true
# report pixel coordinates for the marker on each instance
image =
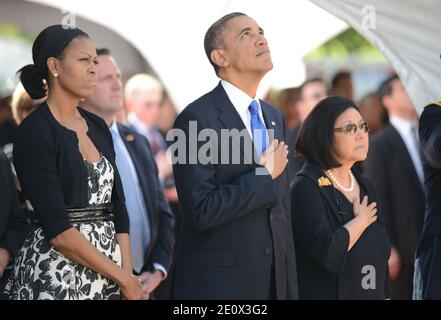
(275, 158)
(131, 288)
(364, 211)
(150, 281)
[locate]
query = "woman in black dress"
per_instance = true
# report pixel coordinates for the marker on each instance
(342, 248)
(79, 246)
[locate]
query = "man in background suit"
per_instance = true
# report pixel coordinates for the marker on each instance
(151, 221)
(394, 166)
(13, 225)
(427, 279)
(236, 241)
(312, 91)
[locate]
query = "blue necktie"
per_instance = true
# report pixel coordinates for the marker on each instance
(257, 128)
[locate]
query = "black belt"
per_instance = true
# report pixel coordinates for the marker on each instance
(93, 213)
(102, 212)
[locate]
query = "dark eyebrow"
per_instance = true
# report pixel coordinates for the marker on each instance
(248, 29)
(89, 55)
(244, 30)
(348, 122)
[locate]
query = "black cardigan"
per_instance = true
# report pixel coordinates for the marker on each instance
(326, 270)
(52, 171)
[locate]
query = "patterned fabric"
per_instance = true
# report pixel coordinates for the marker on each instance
(41, 272)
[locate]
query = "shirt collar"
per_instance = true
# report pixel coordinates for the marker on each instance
(240, 100)
(114, 128)
(401, 124)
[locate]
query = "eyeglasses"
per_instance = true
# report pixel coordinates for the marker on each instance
(352, 128)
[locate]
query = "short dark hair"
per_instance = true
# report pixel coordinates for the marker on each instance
(315, 141)
(214, 36)
(340, 76)
(385, 88)
(103, 52)
(309, 81)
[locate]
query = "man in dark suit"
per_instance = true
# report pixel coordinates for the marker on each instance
(394, 166)
(151, 221)
(236, 241)
(13, 225)
(427, 280)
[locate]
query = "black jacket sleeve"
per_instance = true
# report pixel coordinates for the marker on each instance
(35, 162)
(430, 135)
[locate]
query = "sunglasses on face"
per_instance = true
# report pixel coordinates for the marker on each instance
(352, 128)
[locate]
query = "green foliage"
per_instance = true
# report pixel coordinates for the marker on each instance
(348, 43)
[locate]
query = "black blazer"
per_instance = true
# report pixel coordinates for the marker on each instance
(390, 169)
(428, 255)
(13, 225)
(161, 219)
(236, 224)
(326, 270)
(52, 172)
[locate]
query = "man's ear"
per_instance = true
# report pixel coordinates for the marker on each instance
(218, 56)
(53, 67)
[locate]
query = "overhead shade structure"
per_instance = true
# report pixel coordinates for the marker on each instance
(30, 18)
(407, 32)
(169, 34)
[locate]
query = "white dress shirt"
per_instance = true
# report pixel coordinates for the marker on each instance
(408, 130)
(241, 101)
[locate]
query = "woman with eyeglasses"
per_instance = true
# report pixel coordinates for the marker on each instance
(341, 244)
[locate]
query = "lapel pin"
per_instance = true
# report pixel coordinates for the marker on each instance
(273, 123)
(324, 182)
(130, 137)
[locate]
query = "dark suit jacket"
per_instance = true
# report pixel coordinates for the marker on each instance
(236, 224)
(13, 225)
(326, 270)
(428, 256)
(161, 219)
(400, 193)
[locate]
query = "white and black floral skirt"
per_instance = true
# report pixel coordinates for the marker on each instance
(41, 272)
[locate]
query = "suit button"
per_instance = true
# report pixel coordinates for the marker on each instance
(268, 251)
(271, 216)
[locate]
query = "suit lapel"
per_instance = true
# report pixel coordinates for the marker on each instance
(230, 119)
(271, 122)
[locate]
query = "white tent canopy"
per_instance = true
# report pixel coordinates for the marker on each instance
(407, 32)
(169, 34)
